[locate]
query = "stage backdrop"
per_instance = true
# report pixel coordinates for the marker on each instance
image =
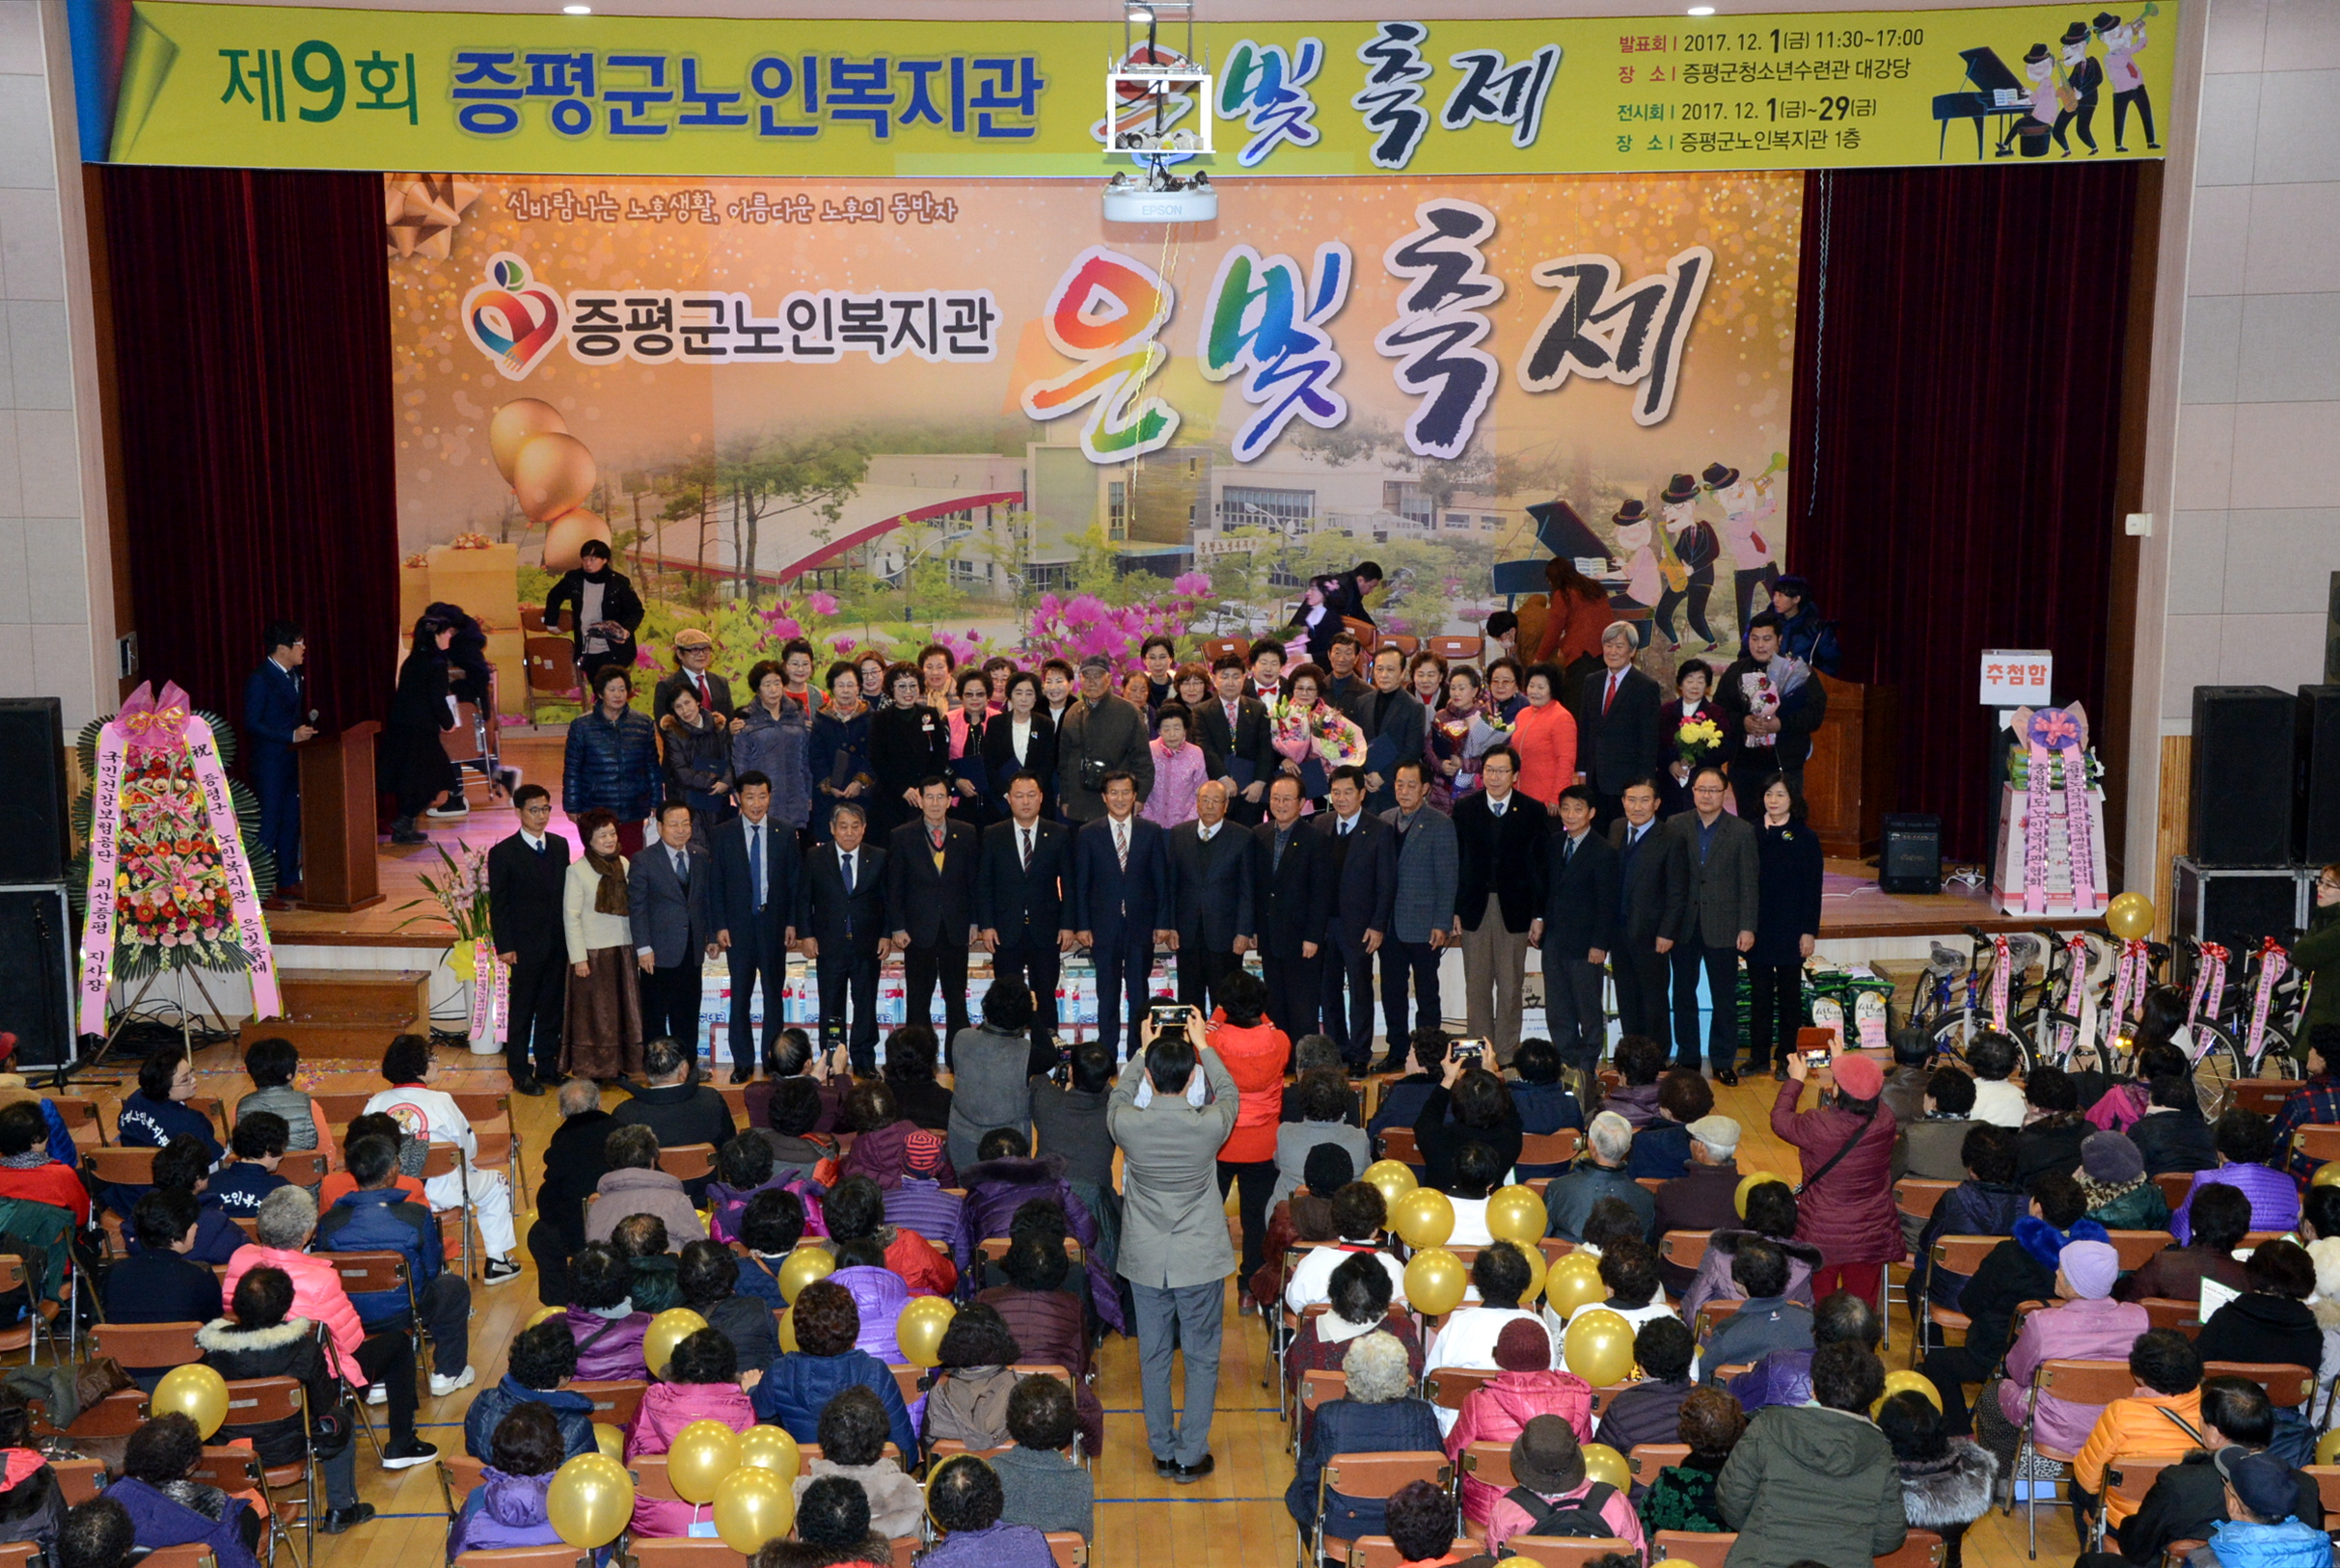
(983, 377)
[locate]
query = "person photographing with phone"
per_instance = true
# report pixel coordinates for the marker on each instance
(1845, 1201)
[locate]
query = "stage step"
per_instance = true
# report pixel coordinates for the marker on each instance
(350, 1012)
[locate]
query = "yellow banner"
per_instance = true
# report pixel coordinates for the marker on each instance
(284, 86)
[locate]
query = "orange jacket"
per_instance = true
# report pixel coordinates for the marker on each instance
(1256, 1059)
(930, 1273)
(2133, 1428)
(1545, 738)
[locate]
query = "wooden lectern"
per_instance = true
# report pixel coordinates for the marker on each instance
(1850, 781)
(339, 871)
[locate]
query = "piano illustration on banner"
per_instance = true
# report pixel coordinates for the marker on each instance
(1997, 90)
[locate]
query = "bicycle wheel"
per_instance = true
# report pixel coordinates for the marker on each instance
(1953, 1032)
(2023, 1029)
(2276, 1058)
(2216, 1069)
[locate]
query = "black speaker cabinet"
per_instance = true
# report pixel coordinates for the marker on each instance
(33, 838)
(2243, 742)
(1910, 858)
(35, 973)
(2315, 775)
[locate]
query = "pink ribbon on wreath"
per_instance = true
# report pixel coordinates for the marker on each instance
(2001, 966)
(2036, 830)
(2274, 961)
(2128, 982)
(2209, 980)
(491, 991)
(157, 723)
(94, 977)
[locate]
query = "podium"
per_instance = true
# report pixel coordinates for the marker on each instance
(339, 871)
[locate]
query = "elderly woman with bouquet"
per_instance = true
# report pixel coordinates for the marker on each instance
(1311, 736)
(1462, 731)
(1690, 734)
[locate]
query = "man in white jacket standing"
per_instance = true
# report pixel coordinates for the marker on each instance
(432, 1116)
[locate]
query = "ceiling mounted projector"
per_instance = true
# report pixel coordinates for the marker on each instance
(1174, 201)
(1149, 91)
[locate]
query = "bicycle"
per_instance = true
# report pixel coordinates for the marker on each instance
(1995, 984)
(2246, 1025)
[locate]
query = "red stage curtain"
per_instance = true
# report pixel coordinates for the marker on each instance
(250, 326)
(1956, 431)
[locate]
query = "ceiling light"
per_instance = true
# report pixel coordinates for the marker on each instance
(577, 11)
(1701, 11)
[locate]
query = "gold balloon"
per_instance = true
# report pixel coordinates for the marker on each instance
(1599, 1346)
(1434, 1282)
(1574, 1283)
(1516, 1214)
(803, 1266)
(2326, 1174)
(1424, 1218)
(590, 1500)
(2129, 916)
(772, 1448)
(1603, 1463)
(788, 1330)
(515, 423)
(609, 1441)
(704, 1452)
(2327, 1449)
(1907, 1381)
(668, 1329)
(1394, 1178)
(1749, 1183)
(920, 1328)
(567, 536)
(198, 1392)
(552, 473)
(752, 1506)
(1536, 1269)
(547, 1314)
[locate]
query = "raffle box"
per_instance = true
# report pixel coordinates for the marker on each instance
(485, 582)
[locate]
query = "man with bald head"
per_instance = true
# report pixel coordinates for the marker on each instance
(1210, 897)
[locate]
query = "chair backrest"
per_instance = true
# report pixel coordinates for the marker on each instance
(480, 1107)
(1398, 1144)
(947, 1447)
(1321, 1387)
(1711, 1313)
(614, 1400)
(441, 1159)
(2327, 1486)
(1489, 1464)
(2265, 1095)
(906, 1382)
(2175, 1184)
(230, 1469)
(650, 1477)
(1548, 1147)
(361, 1272)
(257, 1399)
(524, 1557)
(687, 1162)
(460, 1474)
(1374, 1552)
(1918, 1197)
(2170, 1313)
(683, 1551)
(193, 1554)
(2132, 1477)
(1217, 648)
(1683, 1249)
(735, 1095)
(302, 1167)
(1603, 1393)
(340, 1108)
(2287, 1386)
(1379, 1474)
(2138, 1247)
(78, 1480)
(1453, 648)
(76, 1112)
(1564, 1551)
(117, 1165)
(1647, 1459)
(248, 1224)
(117, 1415)
(2086, 1382)
(1920, 1548)
(2253, 1239)
(1448, 1386)
(149, 1344)
(995, 1248)
(2319, 1141)
(208, 1105)
(1963, 1255)
(1069, 1547)
(1691, 1547)
(552, 666)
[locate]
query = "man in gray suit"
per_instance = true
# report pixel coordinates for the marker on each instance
(1715, 869)
(1423, 917)
(1211, 882)
(1174, 1246)
(667, 900)
(1395, 723)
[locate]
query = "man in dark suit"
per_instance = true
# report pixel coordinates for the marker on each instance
(1237, 739)
(275, 721)
(842, 922)
(1291, 899)
(1645, 912)
(751, 899)
(1364, 873)
(1714, 870)
(1019, 894)
(930, 905)
(666, 901)
(1121, 904)
(1395, 725)
(1210, 876)
(1618, 710)
(694, 653)
(524, 874)
(1579, 929)
(1499, 844)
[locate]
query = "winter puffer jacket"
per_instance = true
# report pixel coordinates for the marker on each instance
(880, 1294)
(666, 1408)
(503, 1511)
(1715, 1284)
(612, 765)
(1497, 1412)
(287, 1350)
(32, 1506)
(799, 1386)
(996, 1189)
(1848, 1213)
(1972, 1208)
(1808, 1483)
(613, 1354)
(779, 749)
(159, 1520)
(1051, 1331)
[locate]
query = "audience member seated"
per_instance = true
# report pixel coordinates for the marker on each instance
(1783, 1377)
(412, 1153)
(676, 1110)
(180, 1166)
(699, 1383)
(1498, 1411)
(155, 1113)
(804, 1380)
(1599, 1172)
(1945, 1480)
(1007, 1176)
(272, 1064)
(507, 1507)
(1323, 1099)
(1402, 1098)
(1993, 1058)
(410, 1067)
(965, 1498)
(854, 1429)
(32, 1508)
(833, 1530)
(794, 1125)
(1766, 1320)
(2261, 1531)
(880, 1136)
(2050, 1142)
(2088, 1326)
(1662, 1148)
(1987, 1202)
(1638, 1061)
(1359, 1295)
(1816, 1481)
(602, 1318)
(1906, 1084)
(1933, 1145)
(576, 1157)
(708, 1275)
(966, 1400)
(259, 1143)
(2020, 1269)
(1501, 1274)
(770, 1228)
(1309, 1053)
(543, 1362)
(911, 1056)
(879, 1295)
(98, 1533)
(1552, 1496)
(1647, 1411)
(854, 1210)
(168, 1508)
(1544, 1103)
(2316, 1099)
(2172, 1134)
(1704, 1197)
(1374, 1414)
(641, 1239)
(1046, 1319)
(1476, 1173)
(1482, 1113)
(1628, 1269)
(1771, 1214)
(634, 1184)
(742, 1168)
(1039, 1484)
(2164, 1417)
(1421, 1522)
(2271, 1321)
(263, 1339)
(790, 1056)
(159, 1282)
(1305, 1217)
(378, 1218)
(2244, 1147)
(2188, 1498)
(2221, 1218)
(919, 1202)
(1682, 1497)
(27, 1173)
(1358, 1214)
(1069, 1118)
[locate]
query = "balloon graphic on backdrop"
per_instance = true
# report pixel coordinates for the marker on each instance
(567, 536)
(1424, 1218)
(1434, 1282)
(1599, 1346)
(590, 1500)
(514, 424)
(2129, 916)
(752, 1506)
(553, 474)
(198, 1392)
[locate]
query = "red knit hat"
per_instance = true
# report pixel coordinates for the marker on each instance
(1523, 1346)
(923, 1152)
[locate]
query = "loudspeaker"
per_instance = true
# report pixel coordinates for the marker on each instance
(2315, 775)
(33, 838)
(2242, 742)
(1910, 858)
(35, 973)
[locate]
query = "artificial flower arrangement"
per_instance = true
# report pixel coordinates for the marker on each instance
(471, 541)
(459, 894)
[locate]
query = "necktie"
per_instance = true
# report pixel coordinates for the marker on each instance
(846, 860)
(538, 845)
(1498, 807)
(682, 868)
(1610, 695)
(756, 864)
(1121, 845)
(1567, 853)
(1231, 718)
(934, 840)
(1346, 825)
(1026, 834)
(699, 682)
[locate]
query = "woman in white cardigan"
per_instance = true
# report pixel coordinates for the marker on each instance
(602, 1036)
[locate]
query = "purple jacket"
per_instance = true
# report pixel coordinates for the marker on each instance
(158, 1519)
(503, 1511)
(616, 1354)
(726, 1204)
(1783, 1377)
(1636, 1103)
(1002, 1546)
(2274, 1199)
(923, 1206)
(996, 1189)
(881, 1294)
(2075, 1331)
(880, 1156)
(1713, 1281)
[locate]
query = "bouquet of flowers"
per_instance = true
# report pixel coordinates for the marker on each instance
(1696, 740)
(458, 892)
(1336, 736)
(1288, 728)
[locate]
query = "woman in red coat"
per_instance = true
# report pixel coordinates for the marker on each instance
(1847, 1205)
(1255, 1053)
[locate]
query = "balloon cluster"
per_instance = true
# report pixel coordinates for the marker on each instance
(551, 474)
(748, 1476)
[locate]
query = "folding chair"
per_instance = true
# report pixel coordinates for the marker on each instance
(687, 1162)
(149, 1344)
(951, 1448)
(910, 1382)
(995, 1248)
(1449, 1386)
(1916, 1198)
(1317, 1387)
(257, 1400)
(1538, 1149)
(115, 1415)
(2170, 1313)
(491, 1118)
(1398, 1144)
(1367, 1475)
(1683, 1249)
(2130, 1478)
(113, 1166)
(80, 1115)
(682, 1552)
(302, 1167)
(1069, 1547)
(2327, 1486)
(1920, 1548)
(1712, 1313)
(78, 1481)
(446, 1159)
(1694, 1546)
(2176, 1184)
(37, 1325)
(2287, 1387)
(1645, 1459)
(190, 1555)
(1374, 1552)
(616, 1400)
(366, 1273)
(1951, 1255)
(1489, 1464)
(2138, 1247)
(235, 1470)
(1457, 648)
(1562, 1551)
(340, 1109)
(2265, 1095)
(459, 1475)
(650, 1477)
(532, 1557)
(2096, 1383)
(1607, 1391)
